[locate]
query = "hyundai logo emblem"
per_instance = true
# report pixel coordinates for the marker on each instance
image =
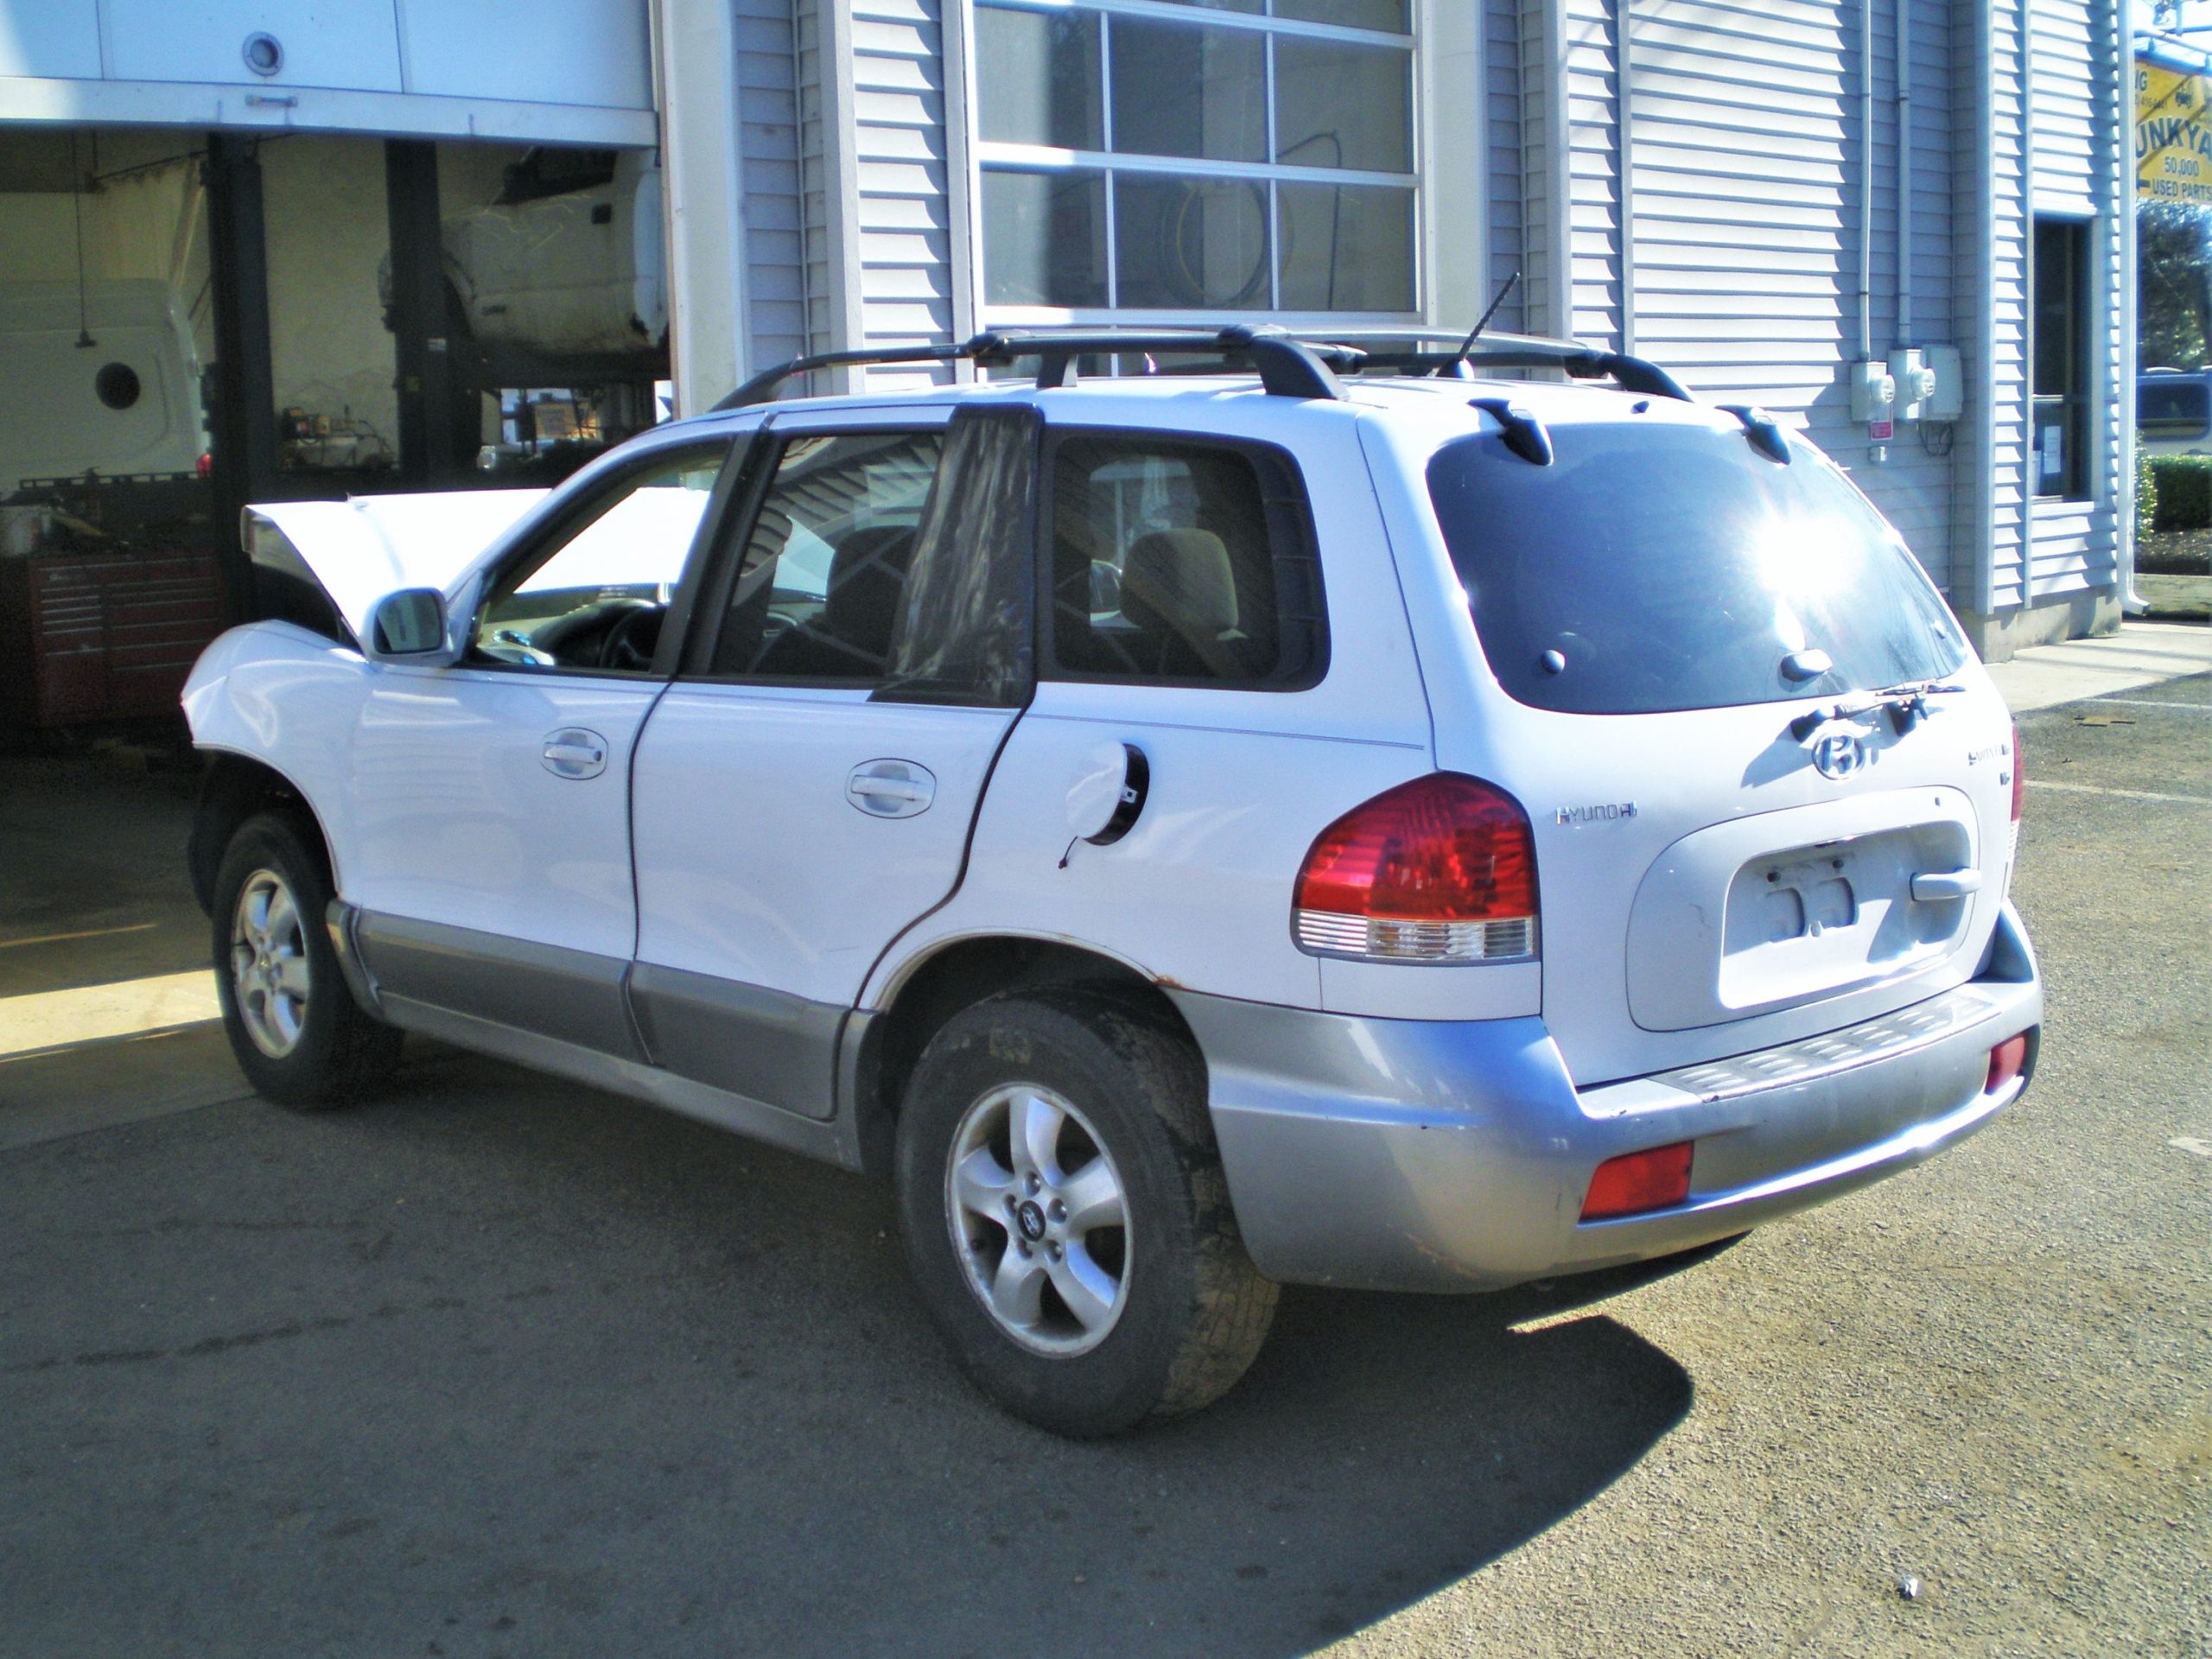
(1840, 754)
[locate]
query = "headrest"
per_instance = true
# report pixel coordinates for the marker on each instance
(867, 581)
(1178, 582)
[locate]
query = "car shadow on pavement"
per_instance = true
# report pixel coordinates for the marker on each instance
(498, 1366)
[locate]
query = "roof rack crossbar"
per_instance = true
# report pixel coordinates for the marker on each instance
(1288, 365)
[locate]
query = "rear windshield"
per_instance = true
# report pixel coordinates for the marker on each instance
(1652, 567)
(2173, 408)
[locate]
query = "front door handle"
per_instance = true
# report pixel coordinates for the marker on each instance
(891, 789)
(575, 752)
(1938, 887)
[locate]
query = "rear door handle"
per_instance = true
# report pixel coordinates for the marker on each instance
(1934, 886)
(891, 789)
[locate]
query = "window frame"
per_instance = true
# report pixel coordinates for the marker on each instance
(727, 555)
(570, 518)
(2075, 402)
(992, 156)
(1296, 515)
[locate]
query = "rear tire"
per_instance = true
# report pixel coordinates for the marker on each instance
(1065, 1216)
(293, 1028)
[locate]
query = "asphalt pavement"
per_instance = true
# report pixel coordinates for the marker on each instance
(500, 1366)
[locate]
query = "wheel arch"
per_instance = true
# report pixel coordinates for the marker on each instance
(953, 976)
(234, 788)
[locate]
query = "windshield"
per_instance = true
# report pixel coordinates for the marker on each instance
(1656, 567)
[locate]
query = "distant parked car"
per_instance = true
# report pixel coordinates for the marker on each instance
(2173, 412)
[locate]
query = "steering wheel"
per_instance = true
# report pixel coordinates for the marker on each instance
(628, 646)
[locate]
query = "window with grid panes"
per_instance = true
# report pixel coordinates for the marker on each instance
(1196, 158)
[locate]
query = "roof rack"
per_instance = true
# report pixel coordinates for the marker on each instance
(1288, 365)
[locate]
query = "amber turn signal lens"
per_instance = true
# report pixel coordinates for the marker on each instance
(1636, 1181)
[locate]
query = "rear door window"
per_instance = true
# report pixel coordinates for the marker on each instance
(823, 579)
(1658, 566)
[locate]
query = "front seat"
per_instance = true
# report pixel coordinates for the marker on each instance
(851, 638)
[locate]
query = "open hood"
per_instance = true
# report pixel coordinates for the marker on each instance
(360, 549)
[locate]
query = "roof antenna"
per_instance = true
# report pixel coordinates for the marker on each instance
(1475, 332)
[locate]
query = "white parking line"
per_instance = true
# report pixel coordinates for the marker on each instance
(2125, 794)
(47, 1019)
(88, 933)
(2202, 1147)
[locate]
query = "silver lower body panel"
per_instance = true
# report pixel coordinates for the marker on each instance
(1437, 1155)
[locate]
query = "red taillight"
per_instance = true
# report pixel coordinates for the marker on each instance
(1636, 1181)
(2019, 776)
(1440, 869)
(2004, 1063)
(206, 466)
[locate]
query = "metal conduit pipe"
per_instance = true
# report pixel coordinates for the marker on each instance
(1904, 173)
(1866, 179)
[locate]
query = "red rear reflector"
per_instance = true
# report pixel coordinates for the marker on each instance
(207, 464)
(2006, 1061)
(2019, 776)
(1636, 1181)
(1439, 869)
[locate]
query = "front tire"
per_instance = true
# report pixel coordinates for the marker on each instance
(1065, 1216)
(293, 1028)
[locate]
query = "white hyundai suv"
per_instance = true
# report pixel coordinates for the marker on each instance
(1329, 818)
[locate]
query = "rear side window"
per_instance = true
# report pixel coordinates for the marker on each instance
(1661, 567)
(2176, 407)
(1182, 561)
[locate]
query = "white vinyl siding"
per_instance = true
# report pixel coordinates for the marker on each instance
(1752, 174)
(2078, 166)
(1505, 133)
(1997, 456)
(904, 213)
(1595, 237)
(2063, 70)
(775, 274)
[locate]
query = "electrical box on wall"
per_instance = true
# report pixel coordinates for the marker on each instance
(1915, 384)
(1874, 394)
(1947, 400)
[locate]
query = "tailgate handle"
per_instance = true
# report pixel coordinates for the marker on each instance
(1938, 887)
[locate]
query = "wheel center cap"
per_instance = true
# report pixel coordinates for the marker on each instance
(1032, 1220)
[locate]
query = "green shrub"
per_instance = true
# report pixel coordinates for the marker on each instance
(2183, 488)
(2146, 494)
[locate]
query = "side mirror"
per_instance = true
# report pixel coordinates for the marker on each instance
(408, 626)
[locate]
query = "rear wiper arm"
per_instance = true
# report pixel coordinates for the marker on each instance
(1907, 705)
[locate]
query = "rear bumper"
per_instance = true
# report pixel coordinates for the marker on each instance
(1407, 1154)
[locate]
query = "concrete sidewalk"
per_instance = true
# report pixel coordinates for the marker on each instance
(2141, 653)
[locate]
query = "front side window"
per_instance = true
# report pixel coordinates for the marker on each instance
(1257, 158)
(594, 595)
(823, 574)
(1180, 561)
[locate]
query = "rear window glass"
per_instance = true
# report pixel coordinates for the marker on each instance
(2176, 407)
(1654, 568)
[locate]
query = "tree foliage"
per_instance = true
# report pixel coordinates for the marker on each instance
(2173, 247)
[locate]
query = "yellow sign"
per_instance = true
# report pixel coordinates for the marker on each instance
(2173, 133)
